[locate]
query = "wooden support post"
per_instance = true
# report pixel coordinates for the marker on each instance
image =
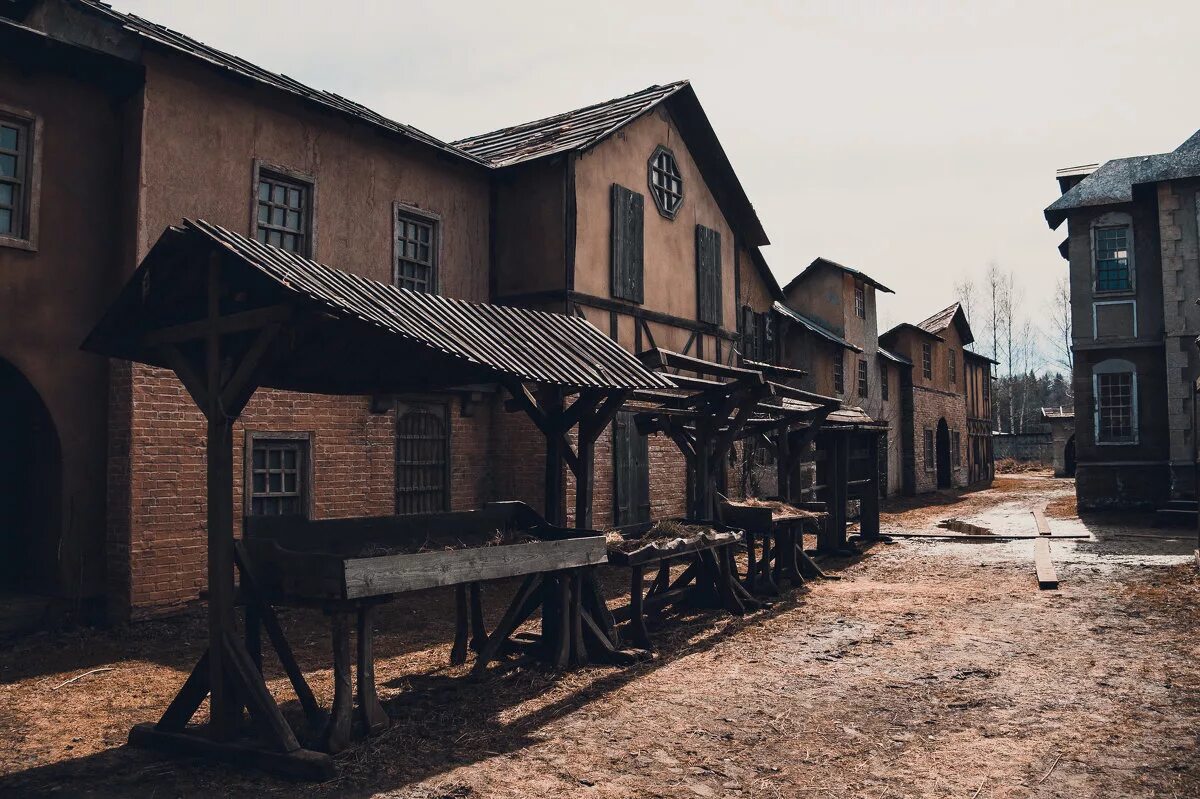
(868, 516)
(783, 465)
(337, 731)
(478, 631)
(375, 719)
(637, 618)
(458, 652)
(555, 511)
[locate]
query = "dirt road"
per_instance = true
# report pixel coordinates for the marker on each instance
(932, 669)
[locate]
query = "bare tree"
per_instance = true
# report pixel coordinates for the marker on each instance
(1060, 324)
(965, 291)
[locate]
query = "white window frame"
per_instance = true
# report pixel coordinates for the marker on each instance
(1112, 220)
(1115, 366)
(1095, 325)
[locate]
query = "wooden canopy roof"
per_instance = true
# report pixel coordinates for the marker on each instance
(343, 333)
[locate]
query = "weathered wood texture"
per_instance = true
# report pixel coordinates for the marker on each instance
(1047, 579)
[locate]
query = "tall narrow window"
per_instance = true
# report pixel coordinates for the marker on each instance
(956, 447)
(839, 377)
(1113, 271)
(422, 459)
(277, 476)
(666, 184)
(860, 301)
(631, 472)
(16, 149)
(284, 213)
(952, 365)
(415, 251)
(1116, 404)
(628, 220)
(928, 451)
(708, 275)
(927, 360)
(884, 388)
(862, 378)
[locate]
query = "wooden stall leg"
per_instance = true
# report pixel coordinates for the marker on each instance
(253, 634)
(637, 618)
(523, 604)
(189, 698)
(558, 638)
(751, 559)
(374, 717)
(478, 631)
(458, 653)
(337, 731)
(579, 652)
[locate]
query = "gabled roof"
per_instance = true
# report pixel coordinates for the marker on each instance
(1113, 182)
(161, 36)
(813, 326)
(352, 335)
(818, 262)
(943, 319)
(911, 327)
(764, 271)
(583, 128)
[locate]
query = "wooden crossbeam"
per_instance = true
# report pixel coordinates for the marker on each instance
(666, 359)
(229, 323)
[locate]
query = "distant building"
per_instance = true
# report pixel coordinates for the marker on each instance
(1135, 275)
(1062, 438)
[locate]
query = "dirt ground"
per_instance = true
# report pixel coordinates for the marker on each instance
(930, 669)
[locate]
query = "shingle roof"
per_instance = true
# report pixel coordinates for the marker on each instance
(1113, 182)
(165, 37)
(439, 339)
(572, 130)
(952, 314)
(834, 264)
(813, 326)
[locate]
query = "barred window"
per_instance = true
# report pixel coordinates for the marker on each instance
(884, 388)
(839, 377)
(666, 184)
(860, 301)
(1115, 408)
(277, 477)
(956, 447)
(422, 459)
(862, 378)
(927, 360)
(1112, 259)
(415, 252)
(15, 157)
(928, 451)
(284, 213)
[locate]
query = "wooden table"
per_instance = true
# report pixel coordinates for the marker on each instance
(778, 534)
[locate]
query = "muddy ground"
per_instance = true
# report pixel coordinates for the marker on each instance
(931, 669)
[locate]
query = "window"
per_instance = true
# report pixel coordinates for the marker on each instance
(415, 250)
(666, 184)
(422, 459)
(278, 484)
(1116, 405)
(628, 217)
(956, 447)
(987, 394)
(18, 210)
(862, 378)
(631, 472)
(758, 335)
(1113, 271)
(952, 365)
(860, 301)
(284, 216)
(884, 388)
(928, 451)
(927, 360)
(708, 275)
(839, 378)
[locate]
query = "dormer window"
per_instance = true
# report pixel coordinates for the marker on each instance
(666, 184)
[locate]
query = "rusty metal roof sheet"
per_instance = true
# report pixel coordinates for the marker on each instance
(572, 130)
(813, 326)
(165, 37)
(477, 340)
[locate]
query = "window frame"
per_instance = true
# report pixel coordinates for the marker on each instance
(652, 169)
(287, 175)
(413, 213)
(1096, 318)
(29, 165)
(860, 299)
(927, 360)
(441, 409)
(1108, 368)
(839, 373)
(1113, 222)
(929, 455)
(863, 379)
(305, 441)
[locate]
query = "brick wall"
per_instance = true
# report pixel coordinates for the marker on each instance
(928, 407)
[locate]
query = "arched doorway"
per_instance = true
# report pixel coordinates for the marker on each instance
(30, 486)
(943, 454)
(1069, 458)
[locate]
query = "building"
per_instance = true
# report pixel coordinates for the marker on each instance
(1061, 422)
(946, 415)
(828, 326)
(113, 128)
(1134, 269)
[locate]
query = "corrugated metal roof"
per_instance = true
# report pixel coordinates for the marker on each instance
(863, 276)
(165, 37)
(813, 326)
(572, 130)
(494, 341)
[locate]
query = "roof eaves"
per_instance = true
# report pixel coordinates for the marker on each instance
(814, 327)
(820, 260)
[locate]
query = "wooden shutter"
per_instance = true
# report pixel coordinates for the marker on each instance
(631, 472)
(708, 275)
(627, 243)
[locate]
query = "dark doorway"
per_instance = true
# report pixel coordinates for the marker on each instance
(30, 484)
(1069, 458)
(943, 454)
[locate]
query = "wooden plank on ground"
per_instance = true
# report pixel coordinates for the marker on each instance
(1041, 561)
(1043, 526)
(994, 537)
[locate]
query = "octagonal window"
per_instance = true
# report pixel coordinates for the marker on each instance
(666, 184)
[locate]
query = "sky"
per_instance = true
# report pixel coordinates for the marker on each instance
(916, 141)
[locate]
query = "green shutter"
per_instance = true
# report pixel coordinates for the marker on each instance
(628, 209)
(708, 275)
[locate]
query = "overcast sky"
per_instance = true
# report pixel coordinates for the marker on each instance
(916, 141)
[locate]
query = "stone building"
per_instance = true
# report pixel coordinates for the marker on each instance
(946, 418)
(113, 128)
(1134, 268)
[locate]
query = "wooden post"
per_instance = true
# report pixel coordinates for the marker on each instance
(783, 466)
(868, 517)
(555, 512)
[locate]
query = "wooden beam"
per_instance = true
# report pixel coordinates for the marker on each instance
(195, 385)
(1039, 518)
(240, 387)
(223, 325)
(666, 359)
(1046, 577)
